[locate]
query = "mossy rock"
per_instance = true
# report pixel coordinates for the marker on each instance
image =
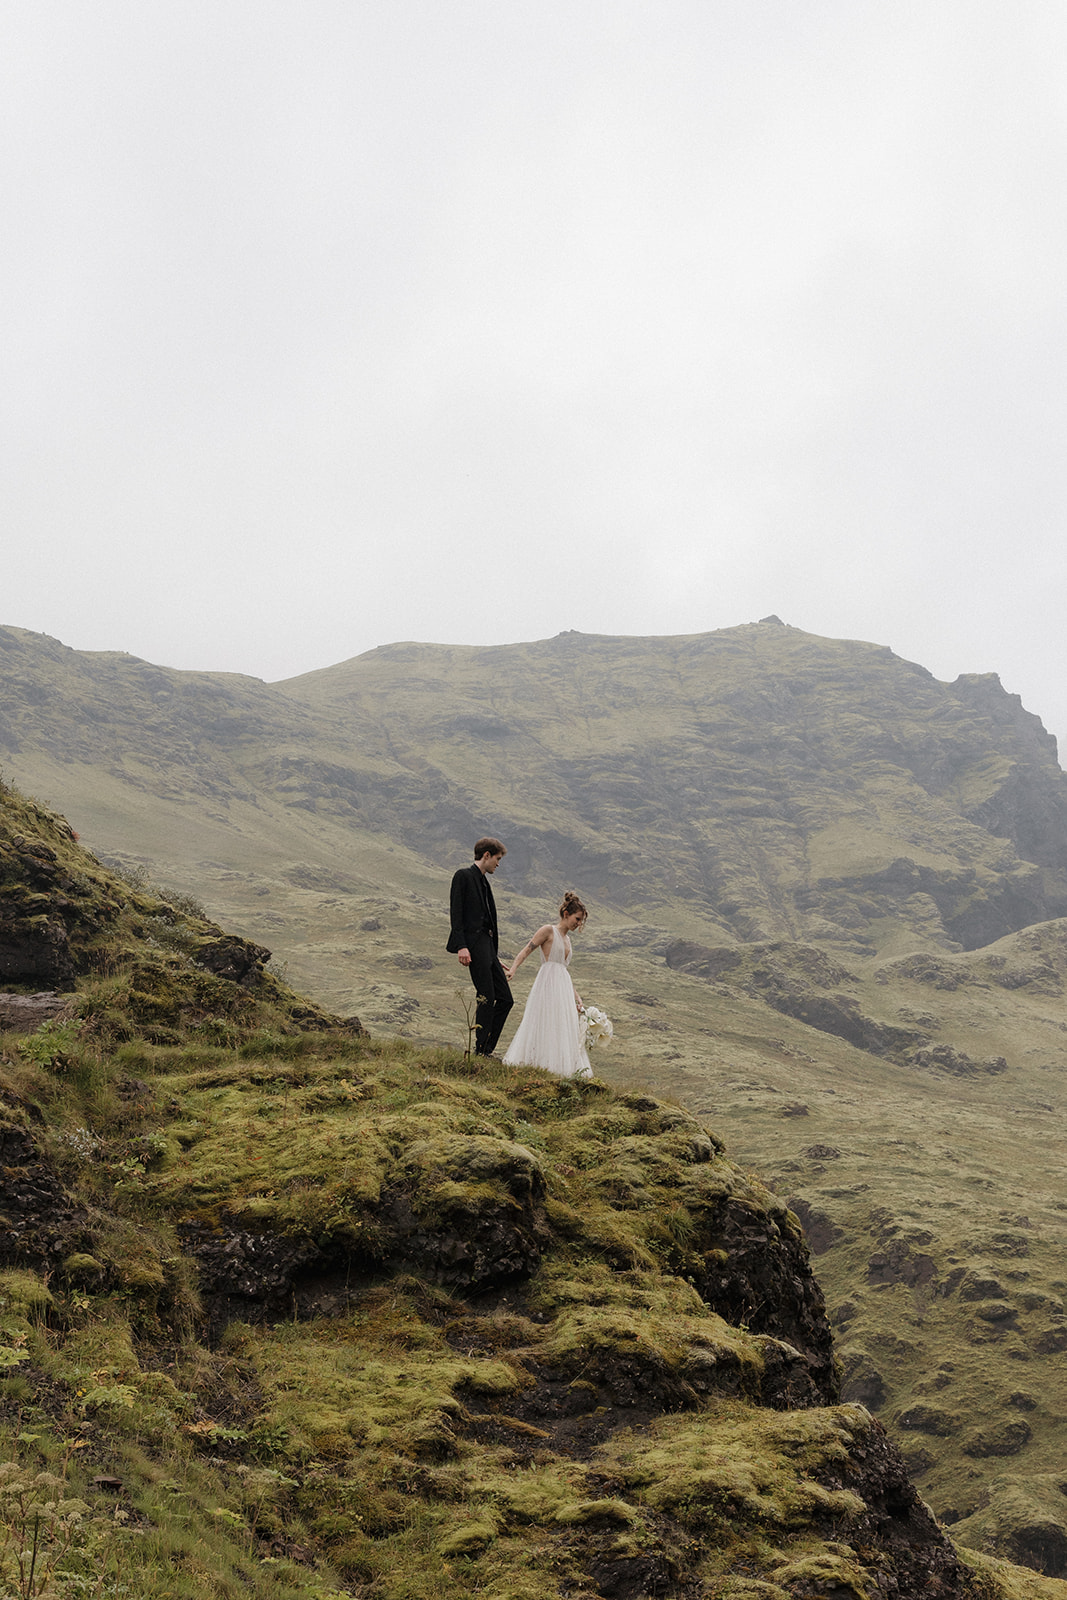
(467, 1540)
(1005, 1439)
(924, 1418)
(81, 1267)
(24, 1294)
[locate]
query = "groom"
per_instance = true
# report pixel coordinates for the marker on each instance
(475, 939)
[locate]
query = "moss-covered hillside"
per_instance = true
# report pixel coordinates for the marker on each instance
(909, 1114)
(285, 1311)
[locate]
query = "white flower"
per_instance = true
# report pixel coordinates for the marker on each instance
(597, 1026)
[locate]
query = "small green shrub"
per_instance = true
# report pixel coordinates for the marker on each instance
(52, 1045)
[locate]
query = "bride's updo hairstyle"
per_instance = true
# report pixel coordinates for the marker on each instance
(572, 906)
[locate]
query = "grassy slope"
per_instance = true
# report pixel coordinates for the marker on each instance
(935, 1203)
(355, 913)
(594, 1427)
(392, 1449)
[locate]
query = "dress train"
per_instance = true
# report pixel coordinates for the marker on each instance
(549, 1034)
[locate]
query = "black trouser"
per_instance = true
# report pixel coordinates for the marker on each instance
(494, 995)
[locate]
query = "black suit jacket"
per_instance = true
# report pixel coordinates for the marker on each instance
(473, 910)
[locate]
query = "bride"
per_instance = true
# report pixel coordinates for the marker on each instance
(549, 1034)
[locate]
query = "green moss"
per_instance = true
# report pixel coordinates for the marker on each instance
(745, 1466)
(822, 1571)
(997, 1579)
(578, 1513)
(24, 1295)
(410, 1445)
(669, 1348)
(466, 1540)
(361, 1435)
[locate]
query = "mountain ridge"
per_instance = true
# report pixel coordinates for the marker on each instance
(718, 746)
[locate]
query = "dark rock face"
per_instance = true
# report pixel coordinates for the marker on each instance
(39, 1221)
(634, 1577)
(897, 1522)
(790, 1381)
(35, 949)
(473, 1251)
(236, 959)
(476, 1241)
(469, 1213)
(245, 1275)
(766, 1284)
(38, 903)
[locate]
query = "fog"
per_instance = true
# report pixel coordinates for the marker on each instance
(324, 325)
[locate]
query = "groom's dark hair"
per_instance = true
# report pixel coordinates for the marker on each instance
(488, 847)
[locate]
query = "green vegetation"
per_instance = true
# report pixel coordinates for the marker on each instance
(378, 1433)
(933, 1194)
(302, 1314)
(874, 860)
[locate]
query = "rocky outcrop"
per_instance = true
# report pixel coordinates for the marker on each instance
(40, 1221)
(896, 1522)
(35, 949)
(245, 1275)
(23, 1013)
(47, 908)
(63, 916)
(599, 1347)
(757, 1275)
(471, 1213)
(239, 960)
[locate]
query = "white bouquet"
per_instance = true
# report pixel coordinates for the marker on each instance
(596, 1026)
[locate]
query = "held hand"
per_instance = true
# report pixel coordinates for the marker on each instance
(464, 957)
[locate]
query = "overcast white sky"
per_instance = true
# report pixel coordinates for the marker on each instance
(327, 323)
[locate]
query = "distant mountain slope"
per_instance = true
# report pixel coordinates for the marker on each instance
(771, 783)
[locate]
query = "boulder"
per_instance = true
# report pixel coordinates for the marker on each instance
(24, 1013)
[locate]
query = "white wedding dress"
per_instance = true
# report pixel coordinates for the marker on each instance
(550, 1032)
